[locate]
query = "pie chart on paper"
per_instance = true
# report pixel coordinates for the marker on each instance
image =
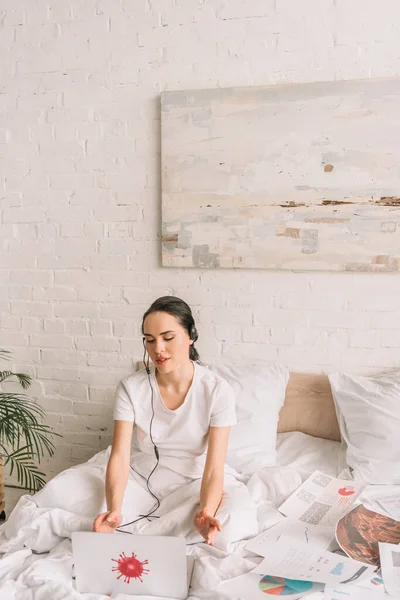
(289, 588)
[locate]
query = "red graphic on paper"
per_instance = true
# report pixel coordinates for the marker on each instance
(130, 567)
(346, 491)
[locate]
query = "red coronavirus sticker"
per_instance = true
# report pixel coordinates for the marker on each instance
(130, 567)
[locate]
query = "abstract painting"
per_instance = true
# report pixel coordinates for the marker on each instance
(298, 177)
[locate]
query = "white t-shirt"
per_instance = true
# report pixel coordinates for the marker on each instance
(181, 435)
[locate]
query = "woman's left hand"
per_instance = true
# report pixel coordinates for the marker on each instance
(207, 525)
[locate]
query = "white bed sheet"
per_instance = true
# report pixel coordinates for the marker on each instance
(25, 575)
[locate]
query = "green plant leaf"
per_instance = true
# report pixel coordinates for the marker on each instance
(5, 375)
(28, 473)
(20, 417)
(21, 423)
(10, 432)
(37, 439)
(24, 380)
(19, 404)
(5, 354)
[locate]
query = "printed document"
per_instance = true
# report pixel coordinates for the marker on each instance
(298, 531)
(349, 592)
(391, 506)
(252, 586)
(390, 562)
(359, 532)
(321, 500)
(305, 563)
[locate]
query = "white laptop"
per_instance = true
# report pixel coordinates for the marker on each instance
(115, 563)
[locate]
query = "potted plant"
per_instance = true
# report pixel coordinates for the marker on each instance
(24, 437)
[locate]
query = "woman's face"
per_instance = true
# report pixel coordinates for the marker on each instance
(167, 342)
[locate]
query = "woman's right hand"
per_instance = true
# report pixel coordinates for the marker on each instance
(107, 522)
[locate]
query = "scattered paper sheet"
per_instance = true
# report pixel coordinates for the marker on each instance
(391, 506)
(299, 561)
(312, 535)
(359, 532)
(321, 500)
(390, 561)
(252, 586)
(375, 585)
(348, 592)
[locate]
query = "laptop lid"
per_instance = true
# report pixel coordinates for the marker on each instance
(111, 563)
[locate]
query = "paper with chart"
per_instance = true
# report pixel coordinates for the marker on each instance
(390, 562)
(368, 589)
(348, 592)
(252, 586)
(321, 500)
(313, 535)
(391, 506)
(299, 561)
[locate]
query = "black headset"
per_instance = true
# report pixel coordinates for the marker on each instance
(194, 336)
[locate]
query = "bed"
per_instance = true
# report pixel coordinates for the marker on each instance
(35, 541)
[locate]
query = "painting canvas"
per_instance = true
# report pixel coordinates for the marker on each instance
(298, 177)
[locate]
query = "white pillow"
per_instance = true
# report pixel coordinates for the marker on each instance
(368, 409)
(260, 393)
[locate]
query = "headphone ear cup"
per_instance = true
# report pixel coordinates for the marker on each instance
(193, 333)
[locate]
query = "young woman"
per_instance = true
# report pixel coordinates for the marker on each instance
(181, 414)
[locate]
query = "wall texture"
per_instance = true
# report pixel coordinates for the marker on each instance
(80, 193)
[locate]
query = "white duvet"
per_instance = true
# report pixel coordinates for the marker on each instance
(37, 561)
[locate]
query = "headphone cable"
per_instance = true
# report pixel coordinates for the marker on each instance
(157, 454)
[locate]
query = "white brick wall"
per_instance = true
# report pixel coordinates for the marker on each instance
(80, 193)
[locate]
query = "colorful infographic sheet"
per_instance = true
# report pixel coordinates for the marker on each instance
(321, 500)
(299, 561)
